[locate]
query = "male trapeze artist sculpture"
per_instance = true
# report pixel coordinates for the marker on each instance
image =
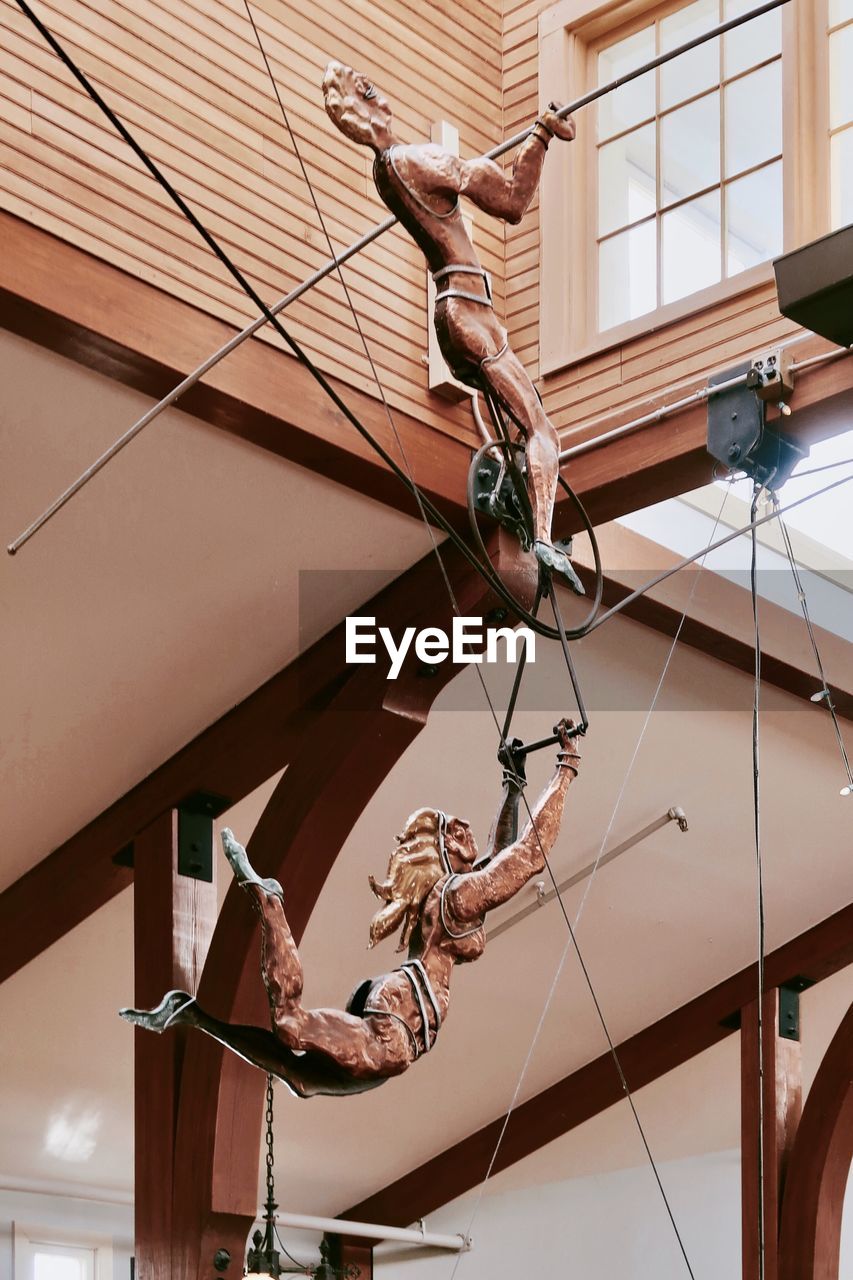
(421, 185)
(439, 890)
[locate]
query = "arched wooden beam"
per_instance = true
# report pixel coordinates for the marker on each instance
(813, 1201)
(346, 754)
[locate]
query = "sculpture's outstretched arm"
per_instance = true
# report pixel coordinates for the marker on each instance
(480, 891)
(507, 195)
(504, 830)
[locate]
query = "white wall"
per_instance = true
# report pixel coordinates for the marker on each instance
(612, 1226)
(66, 1212)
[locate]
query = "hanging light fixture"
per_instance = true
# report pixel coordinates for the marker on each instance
(263, 1260)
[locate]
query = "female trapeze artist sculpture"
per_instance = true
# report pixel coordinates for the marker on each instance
(439, 890)
(421, 185)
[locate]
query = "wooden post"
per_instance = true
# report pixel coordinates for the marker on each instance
(812, 1211)
(173, 919)
(783, 1103)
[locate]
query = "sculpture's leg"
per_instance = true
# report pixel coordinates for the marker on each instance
(506, 378)
(280, 962)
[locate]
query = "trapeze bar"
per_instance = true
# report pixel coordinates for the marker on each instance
(333, 263)
(371, 1231)
(675, 814)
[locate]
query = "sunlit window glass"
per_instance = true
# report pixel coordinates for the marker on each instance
(754, 41)
(634, 102)
(841, 159)
(689, 165)
(628, 275)
(627, 182)
(57, 1266)
(690, 237)
(754, 218)
(697, 70)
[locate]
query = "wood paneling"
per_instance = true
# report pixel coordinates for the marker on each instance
(188, 79)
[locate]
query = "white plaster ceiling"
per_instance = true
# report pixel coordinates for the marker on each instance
(160, 596)
(164, 596)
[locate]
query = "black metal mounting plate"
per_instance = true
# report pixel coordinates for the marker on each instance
(739, 438)
(495, 497)
(195, 833)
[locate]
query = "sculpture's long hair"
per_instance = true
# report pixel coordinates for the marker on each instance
(414, 868)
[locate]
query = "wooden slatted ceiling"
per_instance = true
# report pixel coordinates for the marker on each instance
(188, 79)
(623, 379)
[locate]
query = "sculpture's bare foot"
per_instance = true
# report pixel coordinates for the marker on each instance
(558, 562)
(171, 1011)
(244, 873)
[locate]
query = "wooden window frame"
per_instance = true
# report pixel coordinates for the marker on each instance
(568, 35)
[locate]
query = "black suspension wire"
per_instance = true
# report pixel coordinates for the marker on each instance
(756, 800)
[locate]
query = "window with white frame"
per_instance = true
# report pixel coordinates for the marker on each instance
(841, 111)
(44, 1254)
(689, 158)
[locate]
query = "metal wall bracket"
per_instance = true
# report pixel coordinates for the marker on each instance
(495, 496)
(195, 834)
(789, 1007)
(738, 435)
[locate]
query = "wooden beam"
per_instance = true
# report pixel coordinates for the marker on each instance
(782, 1092)
(173, 919)
(674, 1039)
(813, 1203)
(79, 306)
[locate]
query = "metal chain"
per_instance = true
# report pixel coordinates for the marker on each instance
(269, 1138)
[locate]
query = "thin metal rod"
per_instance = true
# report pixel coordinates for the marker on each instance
(656, 415)
(616, 852)
(373, 1231)
(567, 654)
(333, 263)
(194, 377)
(519, 672)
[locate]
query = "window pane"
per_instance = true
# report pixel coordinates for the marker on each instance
(690, 148)
(841, 77)
(754, 41)
(690, 246)
(754, 218)
(694, 71)
(840, 11)
(842, 179)
(55, 1266)
(754, 119)
(627, 276)
(634, 102)
(626, 179)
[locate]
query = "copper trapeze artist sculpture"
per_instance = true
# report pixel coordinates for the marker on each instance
(421, 185)
(438, 891)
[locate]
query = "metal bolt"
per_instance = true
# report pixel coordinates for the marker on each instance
(734, 452)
